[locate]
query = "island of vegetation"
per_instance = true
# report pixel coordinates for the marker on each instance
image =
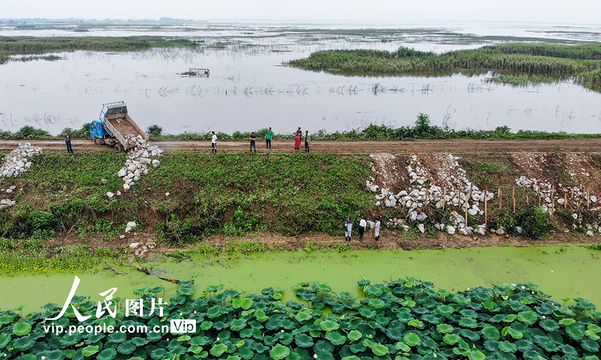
(513, 63)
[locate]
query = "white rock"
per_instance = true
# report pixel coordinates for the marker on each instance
(421, 228)
(104, 181)
(130, 225)
(500, 231)
(451, 230)
(156, 163)
(122, 172)
(589, 233)
(126, 187)
(134, 245)
(110, 194)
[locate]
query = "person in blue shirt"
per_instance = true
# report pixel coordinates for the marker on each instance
(68, 142)
(253, 140)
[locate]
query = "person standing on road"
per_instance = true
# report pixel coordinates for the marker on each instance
(268, 137)
(377, 229)
(214, 143)
(348, 227)
(362, 226)
(307, 143)
(253, 139)
(297, 139)
(68, 142)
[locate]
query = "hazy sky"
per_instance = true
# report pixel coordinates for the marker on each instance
(553, 11)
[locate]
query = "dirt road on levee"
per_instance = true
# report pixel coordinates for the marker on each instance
(455, 146)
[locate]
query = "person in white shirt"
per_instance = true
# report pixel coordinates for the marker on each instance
(362, 226)
(214, 143)
(348, 228)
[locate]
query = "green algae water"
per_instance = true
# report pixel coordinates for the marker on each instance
(567, 271)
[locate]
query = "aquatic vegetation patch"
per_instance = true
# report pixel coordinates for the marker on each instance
(402, 319)
(580, 63)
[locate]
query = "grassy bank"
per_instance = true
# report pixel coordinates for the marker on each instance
(560, 62)
(62, 207)
(21, 45)
(422, 129)
(228, 193)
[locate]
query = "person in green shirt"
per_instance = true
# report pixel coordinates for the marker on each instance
(268, 137)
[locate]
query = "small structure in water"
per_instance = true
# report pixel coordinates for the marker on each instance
(197, 72)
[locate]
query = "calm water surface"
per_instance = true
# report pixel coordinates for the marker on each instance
(249, 88)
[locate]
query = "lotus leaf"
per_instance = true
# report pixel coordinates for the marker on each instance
(468, 322)
(237, 324)
(476, 355)
(261, 316)
(279, 352)
(218, 349)
(354, 335)
(527, 317)
(22, 328)
(451, 339)
(375, 291)
(412, 339)
(377, 303)
(126, 348)
(303, 340)
(90, 350)
(23, 343)
(490, 332)
(302, 316)
(117, 337)
(336, 338)
(109, 354)
(575, 332)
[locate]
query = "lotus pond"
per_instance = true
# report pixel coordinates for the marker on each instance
(268, 306)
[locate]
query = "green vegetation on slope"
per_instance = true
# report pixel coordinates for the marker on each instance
(225, 193)
(405, 319)
(21, 45)
(580, 63)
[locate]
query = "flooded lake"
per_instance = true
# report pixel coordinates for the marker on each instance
(249, 88)
(560, 271)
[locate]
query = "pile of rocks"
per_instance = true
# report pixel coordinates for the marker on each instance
(140, 157)
(453, 190)
(17, 161)
(15, 164)
(141, 249)
(562, 196)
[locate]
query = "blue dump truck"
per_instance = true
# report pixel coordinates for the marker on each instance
(115, 128)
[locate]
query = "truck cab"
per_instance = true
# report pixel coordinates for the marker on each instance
(97, 132)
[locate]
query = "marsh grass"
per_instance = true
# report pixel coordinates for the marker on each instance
(512, 63)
